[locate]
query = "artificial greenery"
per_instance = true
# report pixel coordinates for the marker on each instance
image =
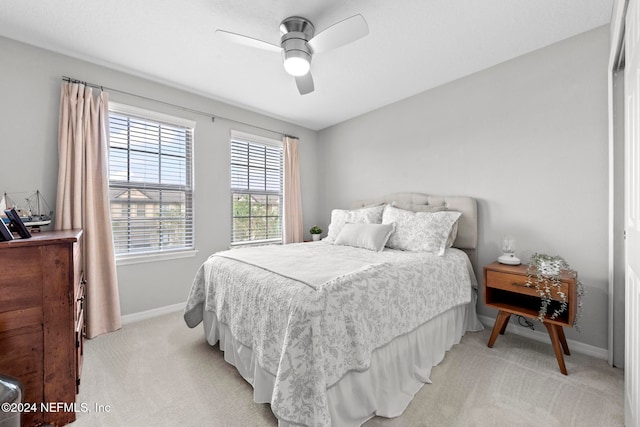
(315, 230)
(543, 274)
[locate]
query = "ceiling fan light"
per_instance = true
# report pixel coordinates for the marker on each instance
(296, 63)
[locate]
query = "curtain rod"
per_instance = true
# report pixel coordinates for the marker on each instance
(190, 110)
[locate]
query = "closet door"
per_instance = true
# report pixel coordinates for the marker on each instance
(632, 215)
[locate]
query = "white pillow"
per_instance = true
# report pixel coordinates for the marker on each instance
(453, 234)
(339, 218)
(420, 231)
(429, 208)
(366, 236)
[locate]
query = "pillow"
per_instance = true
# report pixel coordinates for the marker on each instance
(420, 231)
(453, 234)
(429, 208)
(339, 217)
(365, 236)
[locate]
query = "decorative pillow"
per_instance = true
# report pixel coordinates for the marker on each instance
(339, 218)
(429, 208)
(420, 231)
(366, 236)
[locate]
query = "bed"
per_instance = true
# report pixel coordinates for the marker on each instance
(335, 332)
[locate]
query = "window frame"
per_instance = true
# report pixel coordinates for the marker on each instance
(269, 142)
(188, 189)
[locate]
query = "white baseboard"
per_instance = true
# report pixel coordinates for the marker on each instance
(143, 315)
(543, 336)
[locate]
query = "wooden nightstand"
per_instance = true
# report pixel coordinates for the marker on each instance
(505, 289)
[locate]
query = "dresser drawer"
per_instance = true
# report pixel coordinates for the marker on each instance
(516, 283)
(21, 279)
(22, 358)
(22, 352)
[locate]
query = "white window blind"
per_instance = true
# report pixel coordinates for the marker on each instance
(150, 181)
(256, 189)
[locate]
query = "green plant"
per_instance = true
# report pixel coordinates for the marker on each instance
(543, 273)
(315, 230)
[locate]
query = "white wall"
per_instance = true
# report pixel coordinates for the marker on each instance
(527, 138)
(30, 81)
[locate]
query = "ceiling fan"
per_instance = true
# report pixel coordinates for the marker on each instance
(299, 42)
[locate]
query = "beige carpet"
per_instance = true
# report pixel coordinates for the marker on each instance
(160, 373)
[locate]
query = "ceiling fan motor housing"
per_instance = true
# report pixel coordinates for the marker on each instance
(296, 32)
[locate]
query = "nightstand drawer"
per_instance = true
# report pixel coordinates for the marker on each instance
(516, 283)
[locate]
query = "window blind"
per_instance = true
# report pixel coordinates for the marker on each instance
(256, 188)
(150, 184)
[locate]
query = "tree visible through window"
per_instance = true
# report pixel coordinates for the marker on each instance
(256, 188)
(150, 181)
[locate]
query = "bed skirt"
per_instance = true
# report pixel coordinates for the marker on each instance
(397, 372)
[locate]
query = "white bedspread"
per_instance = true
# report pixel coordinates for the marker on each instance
(309, 338)
(286, 260)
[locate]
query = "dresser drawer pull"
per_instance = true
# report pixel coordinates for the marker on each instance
(522, 285)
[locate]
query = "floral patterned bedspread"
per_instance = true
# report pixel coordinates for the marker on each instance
(309, 338)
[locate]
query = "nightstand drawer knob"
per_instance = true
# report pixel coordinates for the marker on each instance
(522, 285)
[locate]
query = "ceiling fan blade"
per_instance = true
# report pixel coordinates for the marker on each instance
(339, 34)
(248, 41)
(305, 84)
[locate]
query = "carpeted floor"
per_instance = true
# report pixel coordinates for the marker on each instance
(158, 372)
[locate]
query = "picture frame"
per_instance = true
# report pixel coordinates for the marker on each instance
(5, 233)
(17, 223)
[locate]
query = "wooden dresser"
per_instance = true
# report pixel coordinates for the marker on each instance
(41, 322)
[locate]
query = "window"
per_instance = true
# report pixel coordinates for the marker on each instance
(150, 181)
(256, 189)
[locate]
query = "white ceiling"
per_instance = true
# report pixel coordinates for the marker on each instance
(413, 45)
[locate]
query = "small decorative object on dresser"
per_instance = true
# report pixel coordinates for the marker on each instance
(315, 232)
(526, 291)
(5, 233)
(17, 223)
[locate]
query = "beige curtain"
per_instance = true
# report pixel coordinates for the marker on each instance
(292, 196)
(83, 198)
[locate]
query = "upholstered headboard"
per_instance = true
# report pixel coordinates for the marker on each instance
(467, 226)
